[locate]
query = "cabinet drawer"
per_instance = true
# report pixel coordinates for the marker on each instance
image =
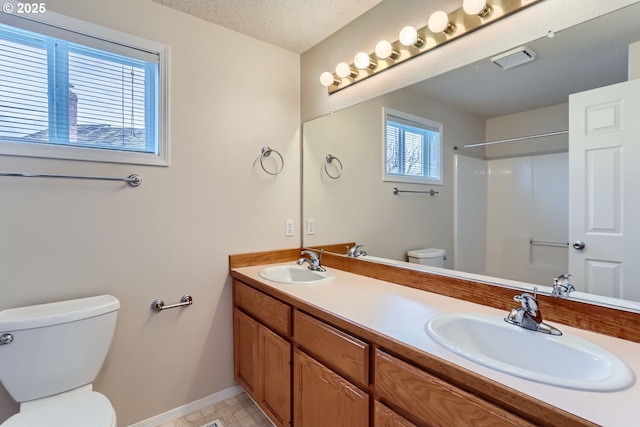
(345, 354)
(433, 401)
(267, 310)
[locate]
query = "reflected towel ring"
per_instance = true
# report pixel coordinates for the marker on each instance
(330, 158)
(266, 152)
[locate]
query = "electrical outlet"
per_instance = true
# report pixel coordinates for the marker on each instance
(288, 228)
(311, 226)
(214, 423)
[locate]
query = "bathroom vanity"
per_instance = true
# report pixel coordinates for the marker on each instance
(354, 352)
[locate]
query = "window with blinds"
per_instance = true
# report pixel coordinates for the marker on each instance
(413, 149)
(66, 94)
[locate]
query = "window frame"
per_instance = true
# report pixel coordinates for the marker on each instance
(423, 123)
(54, 24)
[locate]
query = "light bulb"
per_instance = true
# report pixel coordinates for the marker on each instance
(384, 50)
(476, 7)
(409, 36)
(439, 23)
(327, 79)
(362, 61)
(344, 70)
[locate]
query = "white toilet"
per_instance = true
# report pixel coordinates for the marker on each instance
(50, 354)
(433, 257)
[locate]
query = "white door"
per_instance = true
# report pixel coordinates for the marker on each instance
(604, 190)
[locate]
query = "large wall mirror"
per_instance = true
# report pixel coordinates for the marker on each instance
(502, 212)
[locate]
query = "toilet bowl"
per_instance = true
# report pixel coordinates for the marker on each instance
(87, 409)
(50, 354)
(433, 257)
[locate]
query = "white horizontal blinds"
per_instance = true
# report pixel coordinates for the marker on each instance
(413, 153)
(433, 156)
(105, 43)
(392, 149)
(106, 100)
(23, 85)
(67, 93)
(413, 148)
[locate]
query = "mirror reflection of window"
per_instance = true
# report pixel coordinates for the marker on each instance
(413, 149)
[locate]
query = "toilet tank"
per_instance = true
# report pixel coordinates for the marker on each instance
(56, 347)
(433, 257)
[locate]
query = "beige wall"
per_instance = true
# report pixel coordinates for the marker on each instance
(390, 16)
(533, 122)
(64, 239)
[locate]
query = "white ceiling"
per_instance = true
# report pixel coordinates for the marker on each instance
(586, 56)
(295, 25)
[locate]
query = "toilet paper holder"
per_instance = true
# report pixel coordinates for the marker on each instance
(158, 305)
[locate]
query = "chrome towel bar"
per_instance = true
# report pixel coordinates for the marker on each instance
(158, 305)
(133, 180)
(431, 192)
(541, 243)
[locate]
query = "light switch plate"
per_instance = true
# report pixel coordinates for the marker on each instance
(311, 226)
(288, 228)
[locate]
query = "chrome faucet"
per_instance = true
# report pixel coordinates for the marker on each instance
(528, 316)
(561, 286)
(313, 260)
(356, 251)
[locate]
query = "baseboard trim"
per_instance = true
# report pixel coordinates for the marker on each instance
(189, 408)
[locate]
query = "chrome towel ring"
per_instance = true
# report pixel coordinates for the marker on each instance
(266, 152)
(330, 158)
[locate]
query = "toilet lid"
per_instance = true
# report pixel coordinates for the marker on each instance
(80, 410)
(427, 253)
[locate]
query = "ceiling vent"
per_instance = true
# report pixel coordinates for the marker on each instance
(514, 57)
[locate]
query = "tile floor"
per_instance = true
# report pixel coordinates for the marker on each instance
(237, 411)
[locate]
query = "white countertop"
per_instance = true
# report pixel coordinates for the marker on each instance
(401, 313)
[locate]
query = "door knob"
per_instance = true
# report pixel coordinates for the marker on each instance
(578, 245)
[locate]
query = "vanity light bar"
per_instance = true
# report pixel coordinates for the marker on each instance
(411, 43)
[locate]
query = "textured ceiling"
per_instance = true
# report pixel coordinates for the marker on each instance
(295, 25)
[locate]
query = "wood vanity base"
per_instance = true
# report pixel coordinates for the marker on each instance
(342, 374)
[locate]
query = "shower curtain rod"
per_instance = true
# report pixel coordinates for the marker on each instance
(520, 138)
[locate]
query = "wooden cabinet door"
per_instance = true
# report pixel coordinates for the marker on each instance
(322, 398)
(275, 372)
(385, 417)
(245, 352)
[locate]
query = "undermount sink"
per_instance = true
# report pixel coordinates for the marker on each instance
(565, 361)
(294, 274)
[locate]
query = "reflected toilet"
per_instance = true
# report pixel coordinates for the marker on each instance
(433, 257)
